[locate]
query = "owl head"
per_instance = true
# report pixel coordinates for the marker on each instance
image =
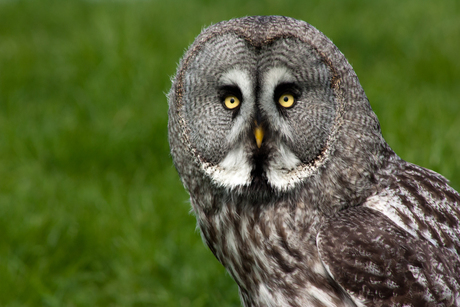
(268, 103)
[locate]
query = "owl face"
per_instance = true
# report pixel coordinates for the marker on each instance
(258, 114)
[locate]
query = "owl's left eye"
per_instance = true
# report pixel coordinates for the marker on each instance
(286, 100)
(286, 95)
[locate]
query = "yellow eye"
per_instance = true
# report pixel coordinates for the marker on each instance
(286, 100)
(231, 102)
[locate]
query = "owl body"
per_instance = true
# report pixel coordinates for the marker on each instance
(294, 188)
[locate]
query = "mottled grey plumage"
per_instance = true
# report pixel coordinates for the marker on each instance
(324, 213)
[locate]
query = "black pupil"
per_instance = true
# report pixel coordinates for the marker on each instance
(286, 98)
(232, 100)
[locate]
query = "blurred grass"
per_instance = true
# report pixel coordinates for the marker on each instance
(92, 212)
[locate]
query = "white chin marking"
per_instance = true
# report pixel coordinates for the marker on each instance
(281, 171)
(234, 170)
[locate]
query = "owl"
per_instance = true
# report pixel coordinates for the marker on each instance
(294, 189)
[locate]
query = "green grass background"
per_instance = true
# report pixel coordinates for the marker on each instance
(92, 212)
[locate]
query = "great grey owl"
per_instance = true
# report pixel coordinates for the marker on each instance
(294, 189)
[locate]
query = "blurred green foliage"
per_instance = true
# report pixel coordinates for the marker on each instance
(92, 212)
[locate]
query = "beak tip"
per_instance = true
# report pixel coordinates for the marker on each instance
(259, 135)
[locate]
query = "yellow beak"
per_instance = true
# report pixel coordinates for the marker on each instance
(259, 134)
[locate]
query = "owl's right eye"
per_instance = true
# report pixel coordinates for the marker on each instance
(231, 97)
(231, 102)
